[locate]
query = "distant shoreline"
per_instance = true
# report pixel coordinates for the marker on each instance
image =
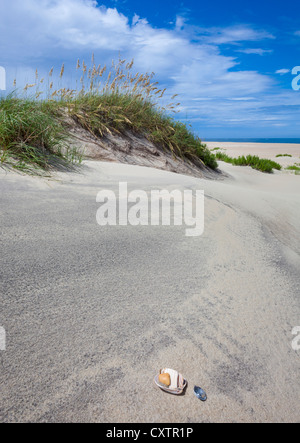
(255, 140)
(273, 151)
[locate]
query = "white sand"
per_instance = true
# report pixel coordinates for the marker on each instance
(219, 308)
(263, 150)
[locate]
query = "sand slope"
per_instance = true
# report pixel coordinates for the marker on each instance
(93, 313)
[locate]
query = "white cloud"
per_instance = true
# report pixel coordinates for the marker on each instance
(45, 25)
(283, 71)
(236, 34)
(180, 22)
(255, 51)
(188, 60)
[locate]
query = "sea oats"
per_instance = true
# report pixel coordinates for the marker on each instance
(102, 71)
(94, 72)
(129, 65)
(62, 70)
(29, 86)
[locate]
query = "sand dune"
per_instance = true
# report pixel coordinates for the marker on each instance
(91, 313)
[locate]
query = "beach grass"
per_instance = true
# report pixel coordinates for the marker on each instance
(31, 137)
(295, 168)
(109, 100)
(260, 164)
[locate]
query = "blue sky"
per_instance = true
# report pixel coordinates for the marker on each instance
(230, 62)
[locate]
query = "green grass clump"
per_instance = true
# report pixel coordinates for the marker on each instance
(293, 168)
(255, 162)
(283, 155)
(31, 136)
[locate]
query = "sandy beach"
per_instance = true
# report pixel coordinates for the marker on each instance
(92, 314)
(263, 150)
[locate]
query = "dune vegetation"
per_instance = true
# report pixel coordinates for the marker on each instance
(34, 136)
(260, 164)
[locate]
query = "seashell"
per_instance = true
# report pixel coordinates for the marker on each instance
(177, 385)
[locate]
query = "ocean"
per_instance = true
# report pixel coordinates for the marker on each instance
(256, 140)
